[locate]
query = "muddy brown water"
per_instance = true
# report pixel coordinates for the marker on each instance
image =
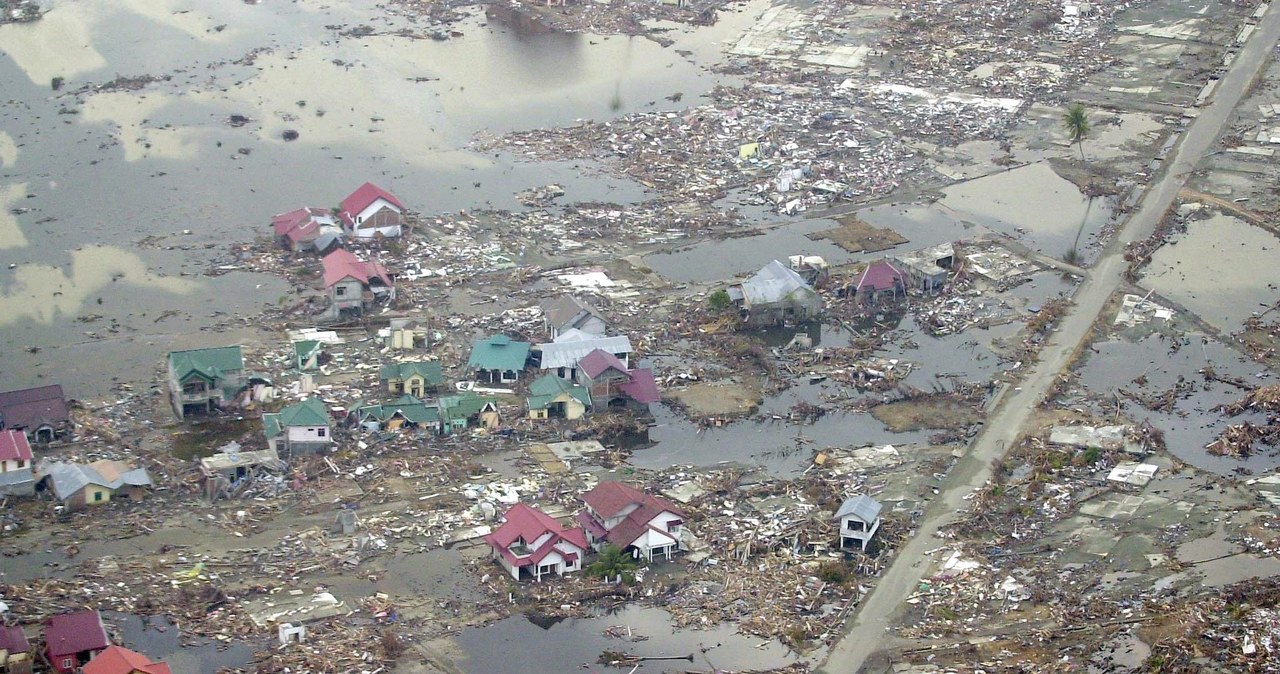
(160, 638)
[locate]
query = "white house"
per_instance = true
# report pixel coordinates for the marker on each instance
(631, 519)
(371, 211)
(562, 354)
(859, 520)
(532, 544)
(299, 429)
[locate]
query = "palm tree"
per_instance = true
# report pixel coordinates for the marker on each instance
(1076, 119)
(612, 563)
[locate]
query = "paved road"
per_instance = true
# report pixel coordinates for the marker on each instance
(872, 620)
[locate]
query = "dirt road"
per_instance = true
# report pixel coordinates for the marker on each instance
(868, 632)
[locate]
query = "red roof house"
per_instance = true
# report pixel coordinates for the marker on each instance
(631, 519)
(535, 544)
(353, 284)
(299, 229)
(879, 281)
(371, 211)
(117, 660)
(41, 412)
(16, 657)
(609, 379)
(71, 640)
(14, 447)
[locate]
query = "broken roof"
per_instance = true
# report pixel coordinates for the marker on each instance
(119, 660)
(862, 507)
(429, 370)
(14, 446)
(596, 362)
(71, 633)
(301, 223)
(211, 364)
(410, 408)
(774, 283)
(642, 388)
(545, 389)
(364, 196)
(573, 345)
(568, 311)
(230, 456)
(341, 264)
(68, 478)
(33, 407)
(880, 275)
(498, 352)
(465, 405)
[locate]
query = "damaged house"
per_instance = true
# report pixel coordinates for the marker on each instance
(774, 295)
(498, 359)
(460, 412)
(71, 640)
(926, 270)
(78, 485)
(230, 466)
(202, 380)
(415, 378)
(631, 520)
(40, 412)
(15, 651)
(302, 428)
(859, 519)
(612, 384)
(571, 313)
(880, 284)
(16, 478)
(551, 397)
(532, 544)
(561, 356)
(371, 212)
(407, 412)
(353, 285)
(307, 229)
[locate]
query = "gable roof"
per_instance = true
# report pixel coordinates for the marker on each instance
(573, 345)
(68, 478)
(568, 311)
(545, 389)
(862, 507)
(775, 282)
(642, 388)
(598, 361)
(498, 352)
(365, 195)
(14, 446)
(463, 406)
(341, 263)
(71, 633)
(14, 640)
(33, 407)
(636, 525)
(880, 275)
(610, 498)
(523, 522)
(118, 660)
(302, 223)
(310, 412)
(211, 364)
(305, 349)
(412, 409)
(430, 370)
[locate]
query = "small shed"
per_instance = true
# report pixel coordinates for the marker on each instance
(859, 518)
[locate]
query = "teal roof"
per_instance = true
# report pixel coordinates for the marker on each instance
(463, 406)
(548, 387)
(271, 425)
(310, 412)
(498, 353)
(409, 407)
(211, 364)
(305, 349)
(429, 370)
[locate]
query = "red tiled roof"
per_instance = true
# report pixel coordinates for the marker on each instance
(117, 660)
(610, 498)
(363, 196)
(589, 524)
(880, 276)
(71, 633)
(341, 263)
(14, 640)
(14, 446)
(33, 407)
(642, 388)
(598, 361)
(523, 522)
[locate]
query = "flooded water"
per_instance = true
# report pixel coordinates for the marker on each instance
(721, 259)
(1223, 269)
(160, 638)
(576, 643)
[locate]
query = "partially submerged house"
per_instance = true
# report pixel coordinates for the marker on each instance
(775, 294)
(40, 412)
(571, 313)
(306, 229)
(407, 412)
(202, 380)
(632, 520)
(353, 285)
(561, 356)
(532, 544)
(15, 651)
(414, 378)
(551, 397)
(371, 212)
(78, 485)
(119, 660)
(302, 428)
(879, 284)
(612, 384)
(926, 270)
(71, 640)
(859, 518)
(16, 458)
(812, 268)
(498, 359)
(469, 410)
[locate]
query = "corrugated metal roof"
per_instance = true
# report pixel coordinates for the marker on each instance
(69, 478)
(862, 507)
(772, 284)
(567, 352)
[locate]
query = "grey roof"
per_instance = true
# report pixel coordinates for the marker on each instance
(572, 345)
(16, 477)
(863, 507)
(774, 283)
(568, 311)
(69, 478)
(231, 456)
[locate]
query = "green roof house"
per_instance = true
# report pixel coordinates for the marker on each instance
(468, 410)
(307, 354)
(201, 380)
(405, 412)
(551, 397)
(299, 429)
(498, 359)
(415, 379)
